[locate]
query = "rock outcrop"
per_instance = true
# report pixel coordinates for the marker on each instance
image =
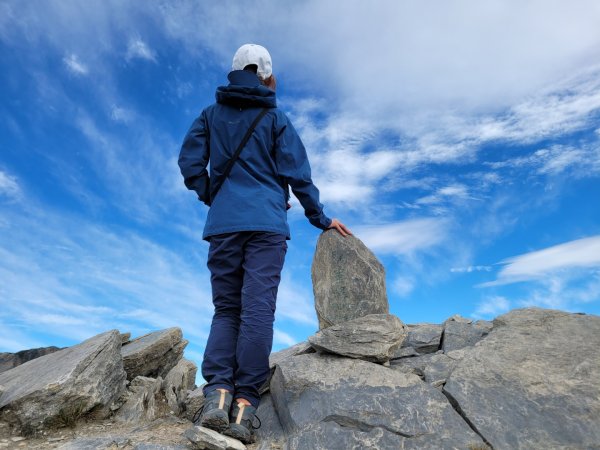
(154, 354)
(72, 382)
(348, 280)
(12, 360)
(374, 338)
(528, 380)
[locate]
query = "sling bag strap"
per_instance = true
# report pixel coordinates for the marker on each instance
(236, 154)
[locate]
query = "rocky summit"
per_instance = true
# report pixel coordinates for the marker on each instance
(529, 379)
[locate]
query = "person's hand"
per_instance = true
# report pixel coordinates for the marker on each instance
(340, 227)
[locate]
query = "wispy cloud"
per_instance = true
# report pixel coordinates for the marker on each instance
(9, 186)
(492, 307)
(470, 269)
(573, 255)
(283, 338)
(137, 48)
(74, 65)
(405, 237)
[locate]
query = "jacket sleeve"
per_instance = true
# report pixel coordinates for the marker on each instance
(194, 157)
(293, 166)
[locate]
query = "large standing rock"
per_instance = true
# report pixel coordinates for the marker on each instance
(374, 338)
(348, 280)
(154, 354)
(12, 360)
(533, 382)
(64, 385)
(326, 401)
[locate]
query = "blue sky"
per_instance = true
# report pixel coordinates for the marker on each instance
(459, 140)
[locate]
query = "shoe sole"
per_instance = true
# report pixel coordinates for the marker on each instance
(215, 423)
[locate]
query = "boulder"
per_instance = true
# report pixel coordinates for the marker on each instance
(205, 438)
(12, 360)
(533, 382)
(178, 382)
(348, 280)
(373, 338)
(327, 401)
(424, 337)
(458, 333)
(192, 403)
(297, 349)
(64, 385)
(270, 430)
(142, 400)
(154, 354)
(433, 368)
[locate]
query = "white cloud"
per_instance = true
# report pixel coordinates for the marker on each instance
(470, 269)
(75, 65)
(281, 337)
(403, 285)
(137, 48)
(492, 307)
(573, 255)
(403, 238)
(294, 302)
(120, 114)
(9, 186)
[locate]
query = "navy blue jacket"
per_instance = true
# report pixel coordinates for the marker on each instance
(255, 195)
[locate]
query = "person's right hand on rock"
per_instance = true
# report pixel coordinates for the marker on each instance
(342, 229)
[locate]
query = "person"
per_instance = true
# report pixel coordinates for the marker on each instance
(247, 229)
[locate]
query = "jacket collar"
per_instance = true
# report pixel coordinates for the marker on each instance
(245, 91)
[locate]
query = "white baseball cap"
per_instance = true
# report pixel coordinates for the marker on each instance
(249, 54)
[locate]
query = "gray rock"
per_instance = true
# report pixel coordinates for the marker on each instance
(404, 352)
(150, 446)
(96, 443)
(348, 280)
(125, 337)
(142, 400)
(178, 382)
(297, 349)
(270, 429)
(424, 337)
(12, 360)
(62, 386)
(154, 354)
(360, 403)
(533, 382)
(373, 338)
(433, 368)
(460, 334)
(192, 403)
(204, 438)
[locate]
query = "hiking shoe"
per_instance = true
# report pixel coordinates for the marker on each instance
(214, 413)
(241, 423)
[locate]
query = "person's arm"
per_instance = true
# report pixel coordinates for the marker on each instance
(194, 157)
(293, 165)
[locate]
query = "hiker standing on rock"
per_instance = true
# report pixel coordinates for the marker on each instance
(254, 154)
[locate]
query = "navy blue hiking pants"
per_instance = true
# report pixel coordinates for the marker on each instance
(245, 272)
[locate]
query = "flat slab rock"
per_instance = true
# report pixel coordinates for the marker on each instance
(423, 337)
(12, 360)
(74, 380)
(374, 338)
(348, 280)
(326, 401)
(534, 381)
(460, 333)
(205, 438)
(154, 354)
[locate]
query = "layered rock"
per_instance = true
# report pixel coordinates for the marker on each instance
(460, 332)
(375, 338)
(12, 360)
(348, 280)
(326, 401)
(154, 354)
(142, 401)
(533, 382)
(69, 383)
(178, 382)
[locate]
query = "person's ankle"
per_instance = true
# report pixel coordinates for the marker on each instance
(243, 400)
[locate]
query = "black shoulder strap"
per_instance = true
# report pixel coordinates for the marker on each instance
(236, 154)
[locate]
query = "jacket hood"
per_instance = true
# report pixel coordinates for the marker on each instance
(245, 90)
